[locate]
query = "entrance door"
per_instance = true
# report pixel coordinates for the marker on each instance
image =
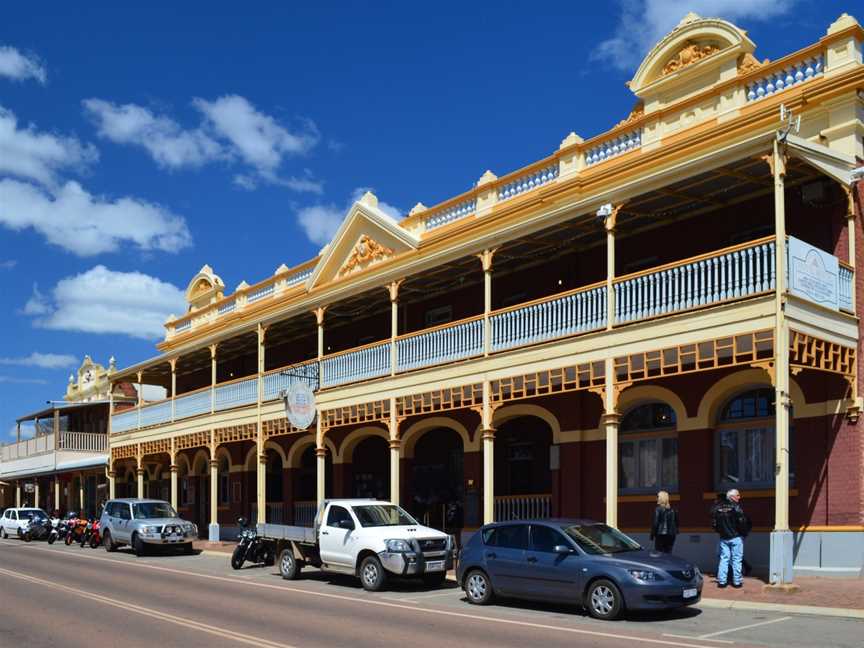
(371, 467)
(437, 478)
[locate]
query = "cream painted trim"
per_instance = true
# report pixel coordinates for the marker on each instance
(270, 445)
(295, 452)
(222, 451)
(834, 164)
(509, 412)
(823, 323)
(641, 393)
(353, 439)
(182, 458)
(416, 431)
(205, 457)
(721, 391)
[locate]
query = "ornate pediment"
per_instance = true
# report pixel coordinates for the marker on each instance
(366, 252)
(637, 111)
(689, 54)
(747, 63)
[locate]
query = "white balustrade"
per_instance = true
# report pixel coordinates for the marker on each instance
(299, 277)
(445, 344)
(124, 421)
(783, 78)
(277, 382)
(523, 507)
(572, 313)
(363, 364)
(242, 392)
(846, 278)
(614, 147)
(227, 307)
(454, 213)
(156, 414)
(739, 273)
(83, 441)
(183, 326)
(192, 404)
(528, 182)
(304, 513)
(260, 293)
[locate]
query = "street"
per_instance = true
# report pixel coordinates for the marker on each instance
(167, 600)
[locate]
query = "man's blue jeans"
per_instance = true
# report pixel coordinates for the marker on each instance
(730, 549)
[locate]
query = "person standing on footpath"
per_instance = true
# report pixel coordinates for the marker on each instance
(732, 525)
(664, 524)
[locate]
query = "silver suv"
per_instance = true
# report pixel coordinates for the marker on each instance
(143, 522)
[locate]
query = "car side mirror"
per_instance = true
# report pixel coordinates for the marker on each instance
(348, 525)
(563, 549)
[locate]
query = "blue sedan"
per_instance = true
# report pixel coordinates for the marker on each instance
(574, 561)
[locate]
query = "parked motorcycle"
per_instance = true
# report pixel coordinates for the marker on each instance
(95, 535)
(252, 547)
(54, 532)
(86, 534)
(77, 526)
(37, 529)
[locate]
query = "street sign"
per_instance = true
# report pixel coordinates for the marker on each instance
(300, 405)
(29, 488)
(813, 274)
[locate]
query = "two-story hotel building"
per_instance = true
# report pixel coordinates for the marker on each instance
(672, 304)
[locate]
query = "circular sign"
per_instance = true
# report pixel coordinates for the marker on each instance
(300, 405)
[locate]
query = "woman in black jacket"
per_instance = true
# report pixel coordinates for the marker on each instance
(664, 524)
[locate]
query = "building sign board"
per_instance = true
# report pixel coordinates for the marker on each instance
(300, 405)
(813, 274)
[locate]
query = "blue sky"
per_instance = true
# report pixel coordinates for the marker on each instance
(137, 144)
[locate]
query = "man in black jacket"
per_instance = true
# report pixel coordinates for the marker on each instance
(732, 525)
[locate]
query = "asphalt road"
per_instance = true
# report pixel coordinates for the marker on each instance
(58, 595)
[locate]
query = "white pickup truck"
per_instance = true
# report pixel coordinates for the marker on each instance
(370, 539)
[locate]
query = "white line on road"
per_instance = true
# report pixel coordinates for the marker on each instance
(352, 599)
(421, 597)
(691, 637)
(156, 614)
(746, 627)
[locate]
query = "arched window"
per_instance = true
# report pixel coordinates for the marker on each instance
(224, 481)
(648, 449)
(744, 448)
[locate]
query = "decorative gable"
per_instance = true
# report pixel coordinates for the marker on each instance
(366, 238)
(690, 53)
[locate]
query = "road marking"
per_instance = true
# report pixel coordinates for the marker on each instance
(746, 627)
(156, 614)
(691, 637)
(381, 603)
(421, 597)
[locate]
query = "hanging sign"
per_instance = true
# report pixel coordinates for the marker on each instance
(300, 405)
(813, 274)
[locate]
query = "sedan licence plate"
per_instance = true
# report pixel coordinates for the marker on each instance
(690, 593)
(435, 565)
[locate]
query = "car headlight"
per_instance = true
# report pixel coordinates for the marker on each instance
(644, 575)
(397, 546)
(149, 530)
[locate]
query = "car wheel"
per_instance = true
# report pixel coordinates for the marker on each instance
(288, 565)
(108, 541)
(3, 533)
(604, 600)
(434, 580)
(478, 588)
(138, 545)
(372, 575)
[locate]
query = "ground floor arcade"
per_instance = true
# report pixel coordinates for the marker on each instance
(82, 491)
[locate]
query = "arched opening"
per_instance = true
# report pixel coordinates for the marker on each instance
(371, 469)
(744, 442)
(201, 472)
(306, 485)
(648, 449)
(274, 492)
(224, 484)
(523, 476)
(437, 480)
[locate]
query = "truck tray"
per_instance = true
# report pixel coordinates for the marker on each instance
(305, 535)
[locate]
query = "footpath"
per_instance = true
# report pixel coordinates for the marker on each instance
(821, 596)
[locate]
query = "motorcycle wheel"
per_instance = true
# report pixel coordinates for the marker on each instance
(68, 540)
(238, 557)
(51, 538)
(27, 536)
(94, 542)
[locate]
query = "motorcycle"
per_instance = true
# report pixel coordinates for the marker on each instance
(56, 525)
(77, 526)
(252, 548)
(95, 535)
(87, 533)
(37, 529)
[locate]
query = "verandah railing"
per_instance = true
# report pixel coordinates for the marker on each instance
(733, 273)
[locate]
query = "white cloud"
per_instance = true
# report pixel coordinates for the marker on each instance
(320, 222)
(37, 304)
(8, 264)
(85, 224)
(168, 144)
(104, 301)
(43, 360)
(644, 22)
(22, 381)
(19, 67)
(29, 154)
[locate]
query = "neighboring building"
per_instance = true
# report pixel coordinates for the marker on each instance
(619, 317)
(63, 464)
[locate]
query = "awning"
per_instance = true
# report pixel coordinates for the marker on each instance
(834, 164)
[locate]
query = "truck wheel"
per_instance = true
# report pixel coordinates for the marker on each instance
(478, 588)
(435, 579)
(372, 575)
(288, 565)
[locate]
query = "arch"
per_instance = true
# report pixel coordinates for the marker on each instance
(181, 458)
(201, 456)
(356, 436)
(721, 391)
(641, 394)
(222, 451)
(414, 433)
(504, 414)
(295, 452)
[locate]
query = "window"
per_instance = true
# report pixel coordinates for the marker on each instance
(600, 539)
(123, 512)
(545, 539)
(512, 536)
(648, 460)
(336, 514)
(744, 449)
(380, 515)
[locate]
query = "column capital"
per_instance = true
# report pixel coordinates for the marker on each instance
(610, 418)
(213, 347)
(393, 290)
(320, 452)
(319, 315)
(140, 471)
(173, 363)
(111, 473)
(262, 458)
(488, 433)
(214, 463)
(174, 468)
(769, 159)
(395, 444)
(486, 257)
(609, 214)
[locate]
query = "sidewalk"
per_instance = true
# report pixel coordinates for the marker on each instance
(223, 547)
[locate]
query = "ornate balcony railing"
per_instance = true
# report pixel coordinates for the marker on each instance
(450, 214)
(574, 312)
(124, 421)
(613, 147)
(528, 182)
(234, 394)
(27, 448)
(367, 362)
(443, 344)
(522, 507)
(66, 441)
(786, 76)
(156, 413)
(845, 289)
(716, 277)
(192, 404)
(83, 442)
(278, 380)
